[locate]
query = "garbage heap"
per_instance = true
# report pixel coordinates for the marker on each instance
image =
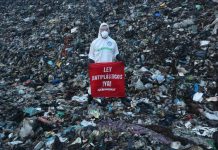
(170, 51)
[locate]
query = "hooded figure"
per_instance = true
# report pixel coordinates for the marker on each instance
(104, 48)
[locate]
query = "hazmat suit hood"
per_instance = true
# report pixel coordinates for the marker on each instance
(103, 24)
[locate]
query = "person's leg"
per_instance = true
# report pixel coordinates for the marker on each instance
(126, 101)
(90, 98)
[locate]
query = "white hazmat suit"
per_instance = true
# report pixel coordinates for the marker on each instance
(103, 50)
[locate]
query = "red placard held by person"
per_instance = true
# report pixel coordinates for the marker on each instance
(107, 79)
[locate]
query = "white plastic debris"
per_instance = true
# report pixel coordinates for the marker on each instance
(129, 114)
(21, 92)
(212, 116)
(175, 145)
(148, 86)
(212, 99)
(10, 135)
(77, 141)
(94, 113)
(62, 139)
(188, 124)
(39, 145)
(140, 121)
(28, 19)
(215, 24)
(15, 142)
(181, 70)
(160, 78)
(204, 43)
(198, 97)
(26, 129)
(74, 30)
(184, 23)
(2, 65)
(80, 99)
(139, 85)
(181, 74)
(202, 83)
(143, 69)
(83, 55)
(204, 131)
(160, 94)
(98, 100)
(49, 142)
(87, 123)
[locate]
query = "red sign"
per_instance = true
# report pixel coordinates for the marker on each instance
(107, 79)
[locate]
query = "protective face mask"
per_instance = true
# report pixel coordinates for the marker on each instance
(104, 34)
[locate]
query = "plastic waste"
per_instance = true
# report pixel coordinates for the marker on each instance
(212, 99)
(204, 43)
(94, 112)
(139, 85)
(198, 97)
(87, 123)
(204, 131)
(77, 141)
(170, 46)
(198, 7)
(175, 145)
(196, 87)
(211, 115)
(39, 145)
(159, 78)
(184, 23)
(26, 129)
(15, 142)
(179, 102)
(80, 99)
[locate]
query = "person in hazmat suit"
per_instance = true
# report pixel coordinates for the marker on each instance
(104, 49)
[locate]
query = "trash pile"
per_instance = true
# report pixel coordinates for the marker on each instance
(170, 50)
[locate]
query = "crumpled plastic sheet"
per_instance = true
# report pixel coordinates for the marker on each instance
(181, 132)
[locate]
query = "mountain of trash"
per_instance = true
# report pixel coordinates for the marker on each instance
(171, 66)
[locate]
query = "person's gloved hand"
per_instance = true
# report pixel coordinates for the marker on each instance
(91, 61)
(119, 58)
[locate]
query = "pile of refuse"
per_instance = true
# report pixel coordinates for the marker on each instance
(170, 52)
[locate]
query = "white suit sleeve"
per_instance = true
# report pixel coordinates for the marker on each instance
(116, 52)
(91, 52)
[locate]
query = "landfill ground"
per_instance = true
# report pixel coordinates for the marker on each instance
(171, 64)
